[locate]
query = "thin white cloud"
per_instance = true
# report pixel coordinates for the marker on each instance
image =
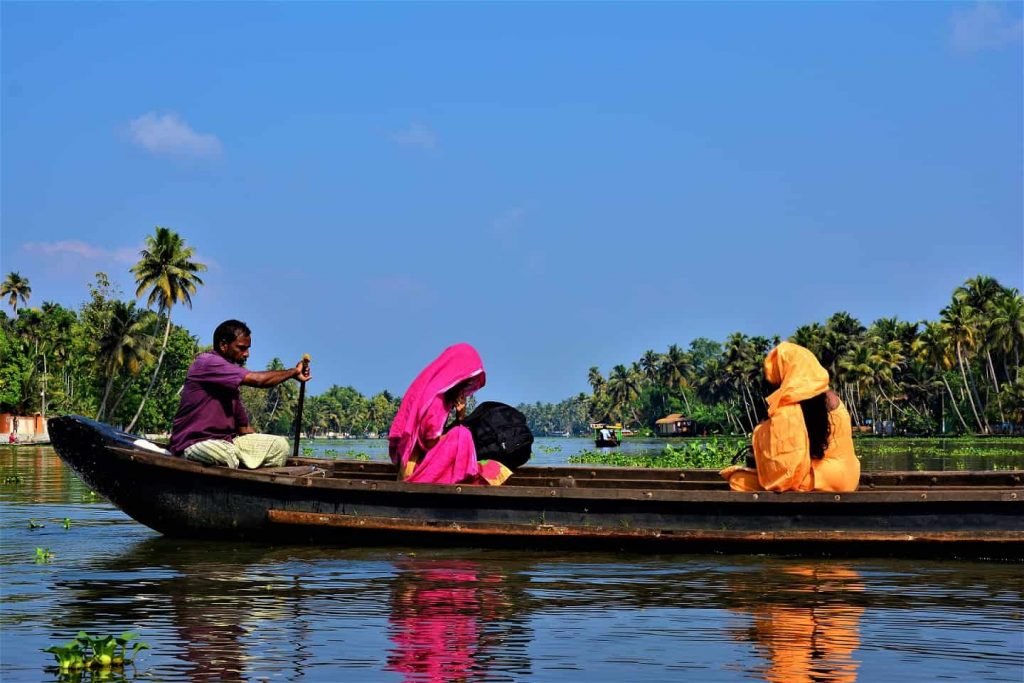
(985, 26)
(416, 135)
(169, 134)
(83, 250)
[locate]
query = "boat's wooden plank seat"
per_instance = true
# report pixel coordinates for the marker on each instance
(671, 479)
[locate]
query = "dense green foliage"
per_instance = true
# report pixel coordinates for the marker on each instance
(958, 374)
(125, 364)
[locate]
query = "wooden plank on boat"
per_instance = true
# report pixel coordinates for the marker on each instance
(463, 528)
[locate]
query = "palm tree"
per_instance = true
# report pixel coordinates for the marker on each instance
(676, 368)
(981, 293)
(167, 270)
(622, 389)
(650, 363)
(958, 321)
(15, 287)
(933, 348)
(125, 344)
(743, 367)
(1007, 328)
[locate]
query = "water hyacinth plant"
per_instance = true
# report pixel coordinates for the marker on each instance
(43, 555)
(101, 653)
(713, 453)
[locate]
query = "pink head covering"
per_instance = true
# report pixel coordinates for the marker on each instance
(423, 412)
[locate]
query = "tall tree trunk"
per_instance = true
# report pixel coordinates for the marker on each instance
(970, 397)
(686, 401)
(753, 406)
(956, 408)
(152, 382)
(103, 401)
(746, 409)
(995, 383)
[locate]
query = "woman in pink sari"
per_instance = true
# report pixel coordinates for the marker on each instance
(419, 446)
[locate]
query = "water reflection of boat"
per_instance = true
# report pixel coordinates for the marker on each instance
(217, 611)
(360, 503)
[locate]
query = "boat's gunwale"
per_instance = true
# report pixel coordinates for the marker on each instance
(910, 495)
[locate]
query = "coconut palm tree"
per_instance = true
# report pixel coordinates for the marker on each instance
(167, 270)
(981, 293)
(958, 321)
(15, 288)
(1007, 328)
(933, 348)
(676, 368)
(125, 345)
(743, 366)
(623, 391)
(650, 364)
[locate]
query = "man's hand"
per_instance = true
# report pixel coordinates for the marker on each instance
(302, 372)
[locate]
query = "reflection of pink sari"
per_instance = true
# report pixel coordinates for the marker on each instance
(418, 445)
(437, 622)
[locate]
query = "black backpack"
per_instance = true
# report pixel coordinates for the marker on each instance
(500, 433)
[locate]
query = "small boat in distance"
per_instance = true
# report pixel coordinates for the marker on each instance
(607, 434)
(358, 503)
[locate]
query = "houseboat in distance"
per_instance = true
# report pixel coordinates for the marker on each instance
(676, 424)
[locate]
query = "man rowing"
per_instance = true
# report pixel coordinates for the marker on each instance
(212, 426)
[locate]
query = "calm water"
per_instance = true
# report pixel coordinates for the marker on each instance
(243, 612)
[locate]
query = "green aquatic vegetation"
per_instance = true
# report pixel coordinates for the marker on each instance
(307, 451)
(713, 453)
(67, 522)
(43, 556)
(96, 653)
(346, 455)
(33, 524)
(938, 448)
(355, 455)
(550, 449)
(13, 479)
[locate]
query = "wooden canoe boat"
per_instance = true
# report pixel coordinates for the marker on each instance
(606, 443)
(969, 514)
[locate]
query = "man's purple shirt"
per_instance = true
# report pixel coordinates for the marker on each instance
(210, 406)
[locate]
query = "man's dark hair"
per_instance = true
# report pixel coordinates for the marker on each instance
(228, 331)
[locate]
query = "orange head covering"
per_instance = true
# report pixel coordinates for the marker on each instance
(798, 374)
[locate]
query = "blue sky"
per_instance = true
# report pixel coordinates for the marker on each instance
(559, 184)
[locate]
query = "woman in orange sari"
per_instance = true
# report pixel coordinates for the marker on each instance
(806, 444)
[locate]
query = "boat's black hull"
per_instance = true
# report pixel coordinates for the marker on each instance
(571, 507)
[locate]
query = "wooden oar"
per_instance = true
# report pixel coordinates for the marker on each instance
(298, 410)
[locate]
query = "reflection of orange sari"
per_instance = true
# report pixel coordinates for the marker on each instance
(437, 622)
(814, 642)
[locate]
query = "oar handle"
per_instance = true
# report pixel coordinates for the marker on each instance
(298, 409)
